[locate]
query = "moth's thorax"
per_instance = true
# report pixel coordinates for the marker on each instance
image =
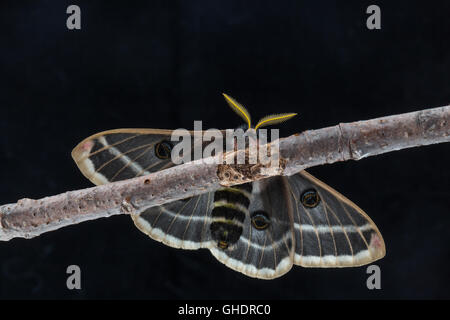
(229, 213)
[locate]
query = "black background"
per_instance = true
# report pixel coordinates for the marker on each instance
(164, 64)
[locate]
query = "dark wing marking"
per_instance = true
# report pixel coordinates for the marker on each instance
(180, 224)
(335, 232)
(263, 253)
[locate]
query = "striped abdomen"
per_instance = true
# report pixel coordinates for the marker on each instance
(229, 212)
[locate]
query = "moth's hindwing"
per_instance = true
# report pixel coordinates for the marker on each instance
(265, 248)
(123, 154)
(246, 227)
(180, 224)
(330, 230)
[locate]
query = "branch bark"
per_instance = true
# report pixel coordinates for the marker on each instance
(346, 141)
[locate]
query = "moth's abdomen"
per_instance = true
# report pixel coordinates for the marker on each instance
(229, 212)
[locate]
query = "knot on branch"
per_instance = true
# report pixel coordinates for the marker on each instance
(231, 174)
(431, 122)
(127, 206)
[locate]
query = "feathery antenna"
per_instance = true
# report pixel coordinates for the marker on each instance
(274, 119)
(239, 109)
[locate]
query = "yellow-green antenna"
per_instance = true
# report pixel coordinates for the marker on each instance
(239, 109)
(274, 119)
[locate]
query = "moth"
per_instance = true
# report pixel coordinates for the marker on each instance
(261, 228)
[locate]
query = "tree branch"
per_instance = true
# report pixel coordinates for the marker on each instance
(347, 141)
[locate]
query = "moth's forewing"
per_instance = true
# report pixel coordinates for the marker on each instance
(263, 253)
(121, 154)
(331, 231)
